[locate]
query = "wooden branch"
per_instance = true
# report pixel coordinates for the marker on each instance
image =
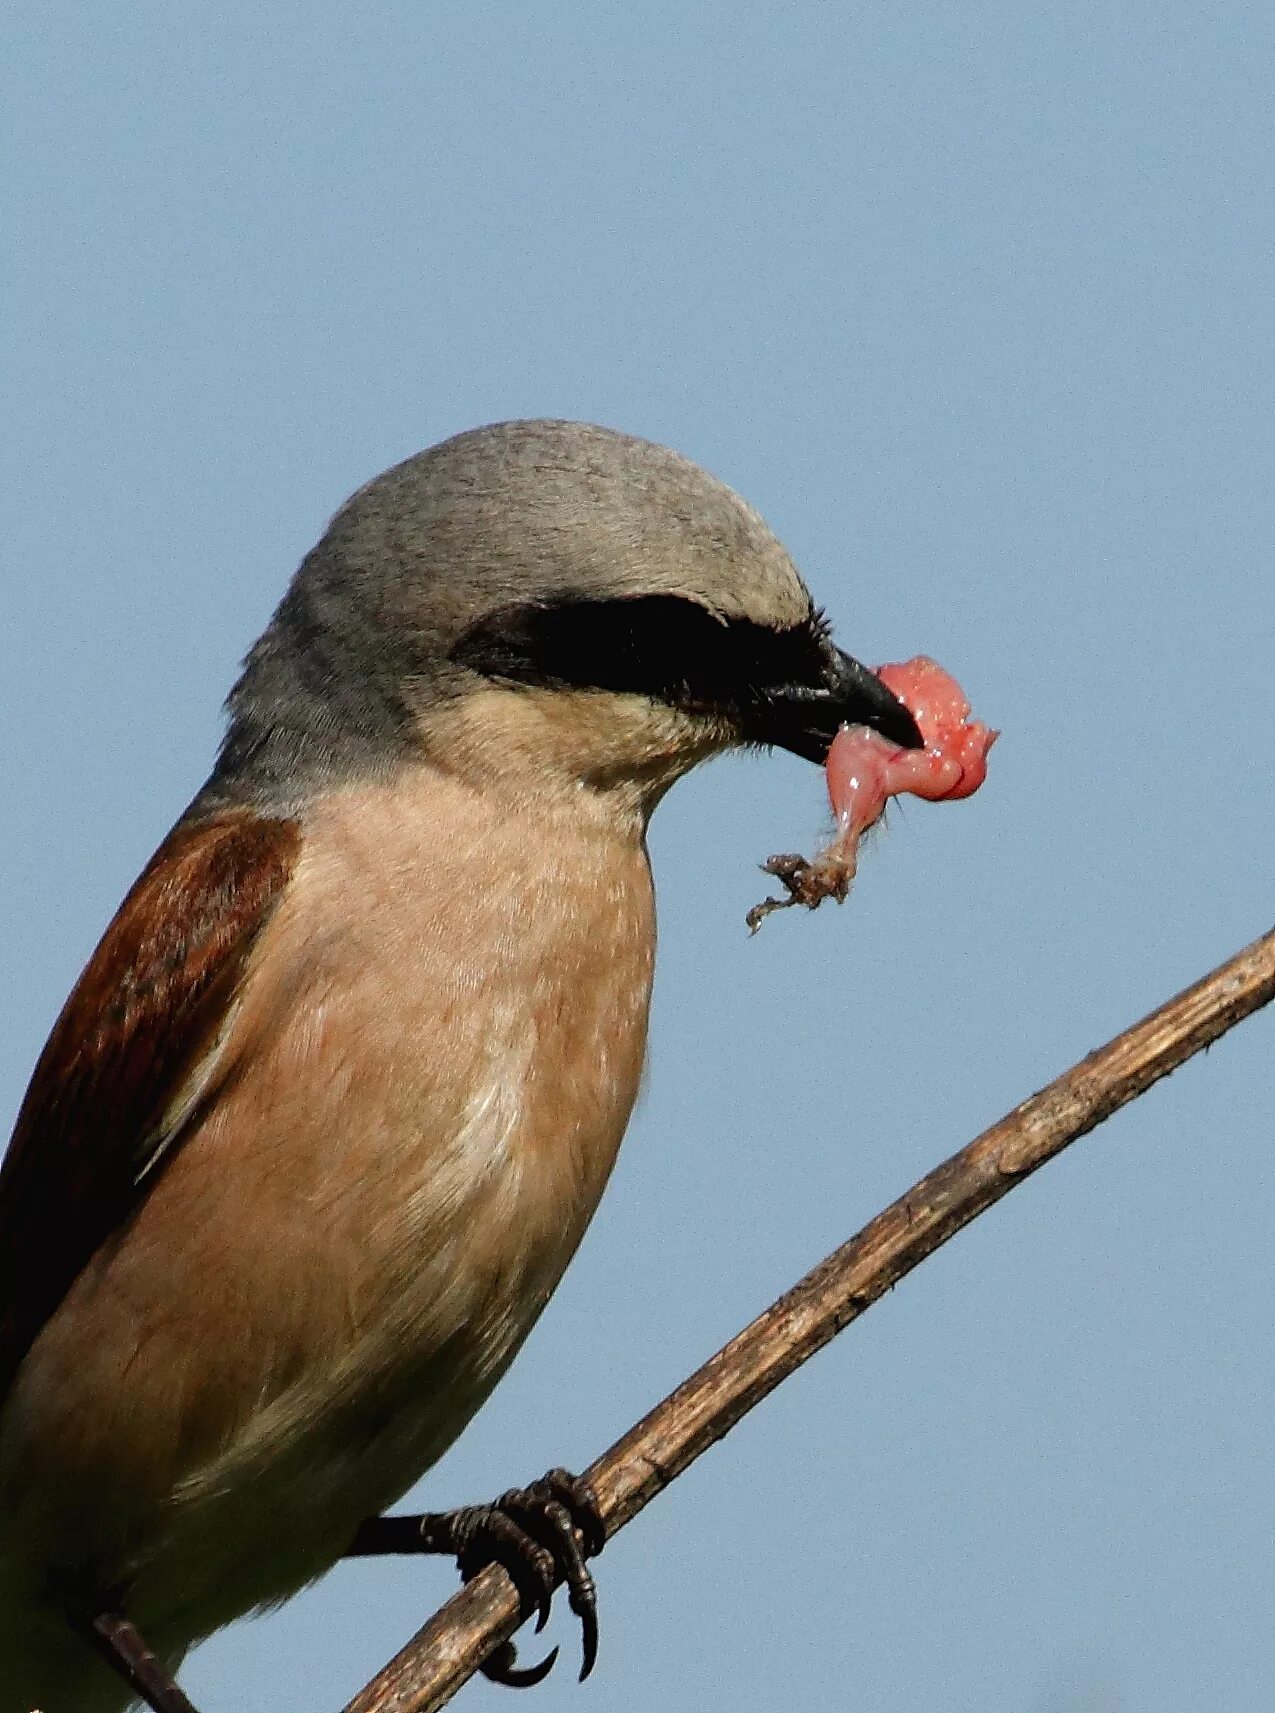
(450, 1647)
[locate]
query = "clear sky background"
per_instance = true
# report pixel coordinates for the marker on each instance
(974, 302)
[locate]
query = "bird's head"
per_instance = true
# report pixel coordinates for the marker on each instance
(547, 606)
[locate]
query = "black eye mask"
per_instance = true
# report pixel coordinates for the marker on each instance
(663, 646)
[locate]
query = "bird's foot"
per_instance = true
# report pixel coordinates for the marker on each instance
(127, 1654)
(541, 1534)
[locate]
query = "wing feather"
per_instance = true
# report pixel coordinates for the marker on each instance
(131, 1058)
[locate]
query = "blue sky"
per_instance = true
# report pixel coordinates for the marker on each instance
(974, 303)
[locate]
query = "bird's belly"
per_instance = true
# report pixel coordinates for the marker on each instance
(286, 1497)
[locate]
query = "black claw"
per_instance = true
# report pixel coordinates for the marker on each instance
(541, 1534)
(588, 1616)
(500, 1668)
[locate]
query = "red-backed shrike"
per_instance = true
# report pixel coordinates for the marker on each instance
(328, 1112)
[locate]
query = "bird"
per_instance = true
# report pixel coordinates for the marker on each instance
(329, 1110)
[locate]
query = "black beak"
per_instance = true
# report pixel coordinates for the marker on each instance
(805, 717)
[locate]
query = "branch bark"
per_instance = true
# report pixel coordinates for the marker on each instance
(449, 1648)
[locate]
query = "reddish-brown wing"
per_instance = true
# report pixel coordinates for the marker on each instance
(129, 1058)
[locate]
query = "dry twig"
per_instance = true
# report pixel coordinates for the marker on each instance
(450, 1647)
